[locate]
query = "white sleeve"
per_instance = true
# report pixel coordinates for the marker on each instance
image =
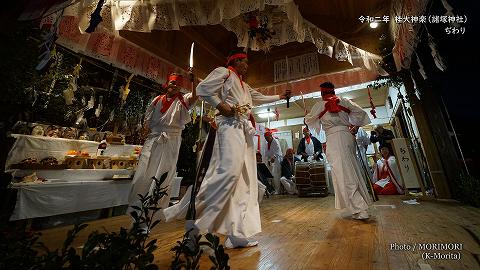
(210, 88)
(311, 119)
(259, 98)
(392, 162)
(149, 112)
(278, 150)
(357, 115)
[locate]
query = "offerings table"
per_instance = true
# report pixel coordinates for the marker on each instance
(57, 198)
(311, 179)
(70, 190)
(39, 147)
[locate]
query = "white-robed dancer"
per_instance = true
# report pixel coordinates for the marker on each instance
(273, 158)
(227, 202)
(341, 118)
(165, 117)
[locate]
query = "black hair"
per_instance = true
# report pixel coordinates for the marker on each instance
(233, 52)
(384, 146)
(328, 85)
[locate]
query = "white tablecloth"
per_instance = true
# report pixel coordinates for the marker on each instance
(74, 175)
(49, 199)
(39, 147)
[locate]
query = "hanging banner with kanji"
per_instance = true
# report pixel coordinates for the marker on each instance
(406, 163)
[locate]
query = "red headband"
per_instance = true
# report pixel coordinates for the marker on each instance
(268, 133)
(175, 77)
(326, 89)
(236, 56)
(306, 129)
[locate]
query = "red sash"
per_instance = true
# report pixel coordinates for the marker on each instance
(239, 76)
(332, 105)
(166, 103)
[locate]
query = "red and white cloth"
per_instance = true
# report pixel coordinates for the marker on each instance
(386, 177)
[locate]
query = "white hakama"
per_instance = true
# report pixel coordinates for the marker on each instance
(227, 201)
(160, 151)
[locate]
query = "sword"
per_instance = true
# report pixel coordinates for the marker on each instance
(190, 68)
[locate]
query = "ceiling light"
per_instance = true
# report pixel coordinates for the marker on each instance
(266, 114)
(373, 25)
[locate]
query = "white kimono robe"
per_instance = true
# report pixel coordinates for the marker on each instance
(160, 151)
(347, 176)
(227, 202)
(276, 167)
(386, 171)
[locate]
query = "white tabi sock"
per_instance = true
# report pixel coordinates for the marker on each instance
(237, 242)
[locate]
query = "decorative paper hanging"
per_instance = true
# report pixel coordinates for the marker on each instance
(420, 67)
(68, 94)
(436, 55)
(56, 71)
(259, 31)
(194, 115)
(112, 115)
(51, 23)
(79, 118)
(91, 102)
(126, 89)
(99, 107)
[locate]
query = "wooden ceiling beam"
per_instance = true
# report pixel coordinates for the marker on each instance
(200, 40)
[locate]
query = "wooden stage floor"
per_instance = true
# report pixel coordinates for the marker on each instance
(308, 233)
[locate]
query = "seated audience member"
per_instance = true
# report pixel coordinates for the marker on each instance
(263, 174)
(288, 171)
(386, 176)
(309, 146)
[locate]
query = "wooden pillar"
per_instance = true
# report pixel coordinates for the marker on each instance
(445, 144)
(432, 154)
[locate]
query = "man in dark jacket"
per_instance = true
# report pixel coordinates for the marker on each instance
(383, 137)
(288, 172)
(309, 146)
(288, 164)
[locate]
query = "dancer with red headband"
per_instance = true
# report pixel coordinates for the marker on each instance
(165, 119)
(227, 202)
(341, 119)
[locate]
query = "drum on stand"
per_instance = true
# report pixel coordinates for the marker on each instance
(310, 178)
